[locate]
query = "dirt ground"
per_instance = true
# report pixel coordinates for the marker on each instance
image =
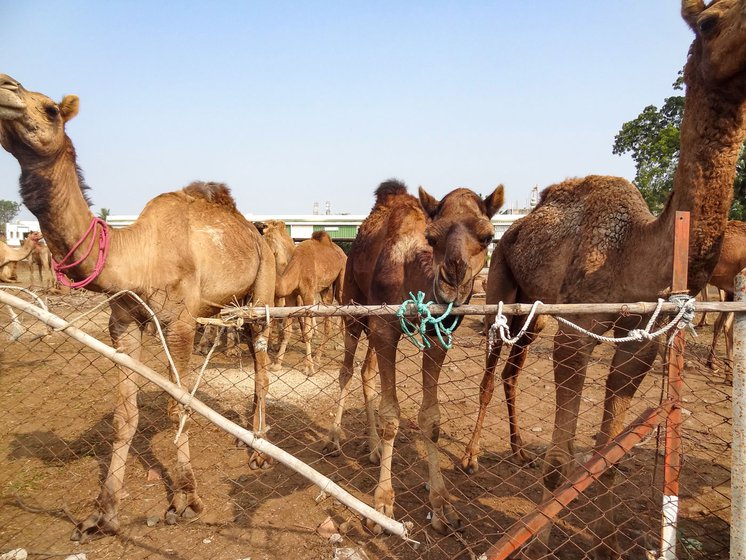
(56, 401)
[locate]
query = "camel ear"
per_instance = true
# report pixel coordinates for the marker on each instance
(495, 201)
(429, 203)
(690, 10)
(69, 107)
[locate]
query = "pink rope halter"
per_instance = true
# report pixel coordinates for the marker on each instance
(103, 250)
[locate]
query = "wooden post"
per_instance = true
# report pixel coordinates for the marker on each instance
(738, 466)
(672, 461)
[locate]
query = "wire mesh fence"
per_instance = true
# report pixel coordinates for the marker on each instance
(57, 399)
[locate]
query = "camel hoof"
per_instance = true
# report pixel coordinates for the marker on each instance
(374, 527)
(186, 505)
(332, 449)
(259, 461)
(446, 521)
(95, 526)
(275, 367)
(470, 464)
(375, 456)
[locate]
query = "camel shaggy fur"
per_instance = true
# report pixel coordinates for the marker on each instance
(189, 253)
(595, 240)
(403, 246)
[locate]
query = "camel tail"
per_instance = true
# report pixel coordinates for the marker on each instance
(217, 193)
(389, 188)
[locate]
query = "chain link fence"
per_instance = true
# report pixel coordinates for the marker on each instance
(56, 429)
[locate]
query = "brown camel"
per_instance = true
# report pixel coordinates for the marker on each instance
(595, 240)
(316, 268)
(731, 262)
(189, 253)
(403, 246)
(10, 256)
(40, 260)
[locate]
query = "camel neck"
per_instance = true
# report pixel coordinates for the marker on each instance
(712, 133)
(53, 190)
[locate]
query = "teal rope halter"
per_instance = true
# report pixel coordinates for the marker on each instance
(423, 310)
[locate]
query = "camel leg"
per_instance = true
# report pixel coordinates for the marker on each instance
(631, 362)
(257, 335)
(185, 501)
(571, 355)
(327, 298)
(369, 371)
(384, 337)
(287, 330)
(704, 297)
(126, 337)
(444, 518)
(353, 330)
(308, 328)
(716, 330)
(470, 460)
(512, 369)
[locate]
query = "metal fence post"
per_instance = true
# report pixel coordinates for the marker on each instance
(672, 461)
(738, 465)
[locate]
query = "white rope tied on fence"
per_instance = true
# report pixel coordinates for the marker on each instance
(683, 319)
(500, 326)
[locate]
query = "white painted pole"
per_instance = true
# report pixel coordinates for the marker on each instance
(738, 463)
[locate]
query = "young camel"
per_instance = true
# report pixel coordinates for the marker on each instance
(315, 269)
(403, 246)
(10, 256)
(40, 260)
(595, 240)
(174, 257)
(731, 262)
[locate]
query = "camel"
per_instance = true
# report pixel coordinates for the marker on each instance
(731, 262)
(40, 260)
(594, 240)
(282, 247)
(316, 268)
(10, 256)
(189, 253)
(403, 246)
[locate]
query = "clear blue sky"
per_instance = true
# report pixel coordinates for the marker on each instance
(296, 102)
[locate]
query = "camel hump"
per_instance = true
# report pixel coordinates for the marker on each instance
(322, 237)
(389, 188)
(217, 193)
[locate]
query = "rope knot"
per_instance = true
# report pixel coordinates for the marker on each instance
(426, 318)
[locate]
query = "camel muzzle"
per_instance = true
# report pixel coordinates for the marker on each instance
(11, 104)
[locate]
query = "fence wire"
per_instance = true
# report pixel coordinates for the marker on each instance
(57, 427)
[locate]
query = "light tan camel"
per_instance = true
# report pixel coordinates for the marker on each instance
(40, 260)
(189, 253)
(316, 269)
(403, 246)
(10, 256)
(731, 262)
(282, 247)
(595, 240)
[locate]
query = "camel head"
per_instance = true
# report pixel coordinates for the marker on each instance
(720, 30)
(460, 232)
(32, 126)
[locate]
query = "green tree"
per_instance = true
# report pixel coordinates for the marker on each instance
(8, 211)
(104, 213)
(653, 141)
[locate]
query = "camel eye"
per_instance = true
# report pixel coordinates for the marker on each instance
(431, 240)
(52, 111)
(485, 240)
(707, 25)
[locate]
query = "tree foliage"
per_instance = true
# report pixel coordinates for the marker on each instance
(653, 141)
(8, 211)
(104, 213)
